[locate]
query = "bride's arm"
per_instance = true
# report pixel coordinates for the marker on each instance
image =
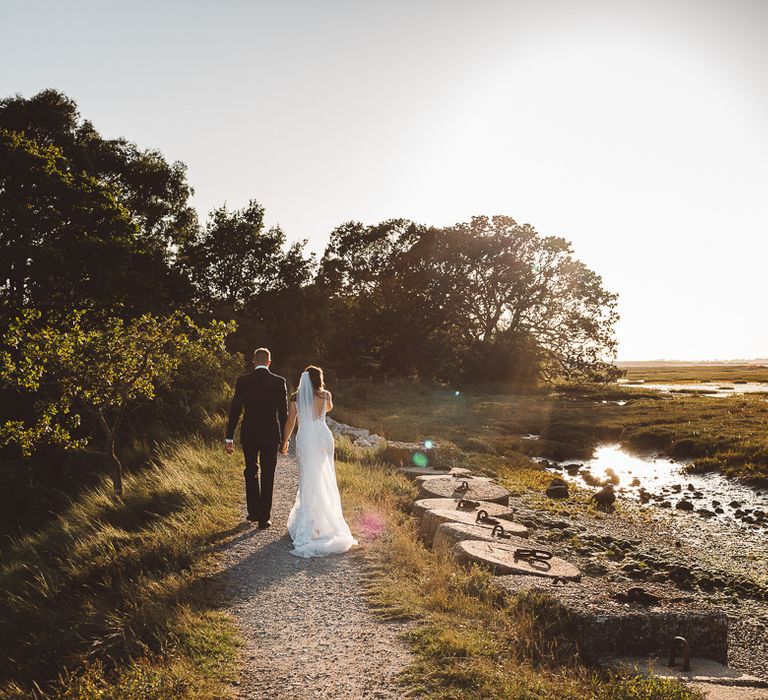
(290, 424)
(328, 401)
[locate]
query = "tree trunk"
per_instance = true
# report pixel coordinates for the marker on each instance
(115, 466)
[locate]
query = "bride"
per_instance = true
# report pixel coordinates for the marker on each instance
(316, 523)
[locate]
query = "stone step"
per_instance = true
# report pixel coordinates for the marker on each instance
(610, 619)
(420, 473)
(495, 510)
(449, 534)
(475, 488)
(501, 559)
(435, 516)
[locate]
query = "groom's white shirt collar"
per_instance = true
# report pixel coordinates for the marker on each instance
(261, 367)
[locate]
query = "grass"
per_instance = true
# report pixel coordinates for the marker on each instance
(665, 373)
(728, 434)
(468, 640)
(110, 599)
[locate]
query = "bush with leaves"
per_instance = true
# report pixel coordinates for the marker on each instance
(78, 365)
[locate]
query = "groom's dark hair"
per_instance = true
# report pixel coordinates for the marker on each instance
(261, 356)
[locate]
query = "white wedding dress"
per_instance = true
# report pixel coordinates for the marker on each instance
(316, 523)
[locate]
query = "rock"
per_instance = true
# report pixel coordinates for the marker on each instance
(704, 513)
(612, 476)
(639, 595)
(677, 487)
(605, 497)
(644, 496)
(557, 489)
(684, 505)
(635, 481)
(691, 487)
(735, 504)
(594, 568)
(715, 504)
(665, 504)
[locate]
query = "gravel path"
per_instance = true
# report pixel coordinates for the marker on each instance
(308, 630)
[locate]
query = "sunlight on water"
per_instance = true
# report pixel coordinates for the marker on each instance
(627, 467)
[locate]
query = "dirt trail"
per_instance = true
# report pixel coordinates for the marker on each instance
(308, 630)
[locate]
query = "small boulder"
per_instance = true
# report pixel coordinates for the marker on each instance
(684, 505)
(605, 497)
(557, 489)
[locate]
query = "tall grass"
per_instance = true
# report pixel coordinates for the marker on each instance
(107, 601)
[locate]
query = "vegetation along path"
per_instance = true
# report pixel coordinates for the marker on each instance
(308, 629)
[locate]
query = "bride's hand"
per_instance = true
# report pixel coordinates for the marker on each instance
(284, 448)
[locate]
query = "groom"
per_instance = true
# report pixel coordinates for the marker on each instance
(264, 397)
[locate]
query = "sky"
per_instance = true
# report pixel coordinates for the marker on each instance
(636, 130)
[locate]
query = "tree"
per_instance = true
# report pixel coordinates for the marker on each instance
(490, 299)
(84, 221)
(76, 366)
(155, 192)
(235, 259)
(65, 239)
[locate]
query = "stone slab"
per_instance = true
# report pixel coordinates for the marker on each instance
(421, 473)
(495, 510)
(480, 489)
(501, 560)
(434, 517)
(594, 615)
(449, 534)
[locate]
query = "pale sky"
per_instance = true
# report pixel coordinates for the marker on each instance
(637, 130)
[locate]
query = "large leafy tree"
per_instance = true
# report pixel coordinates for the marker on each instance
(488, 299)
(85, 221)
(155, 192)
(66, 240)
(243, 270)
(79, 367)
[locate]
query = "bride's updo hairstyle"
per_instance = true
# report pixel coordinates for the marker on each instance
(316, 376)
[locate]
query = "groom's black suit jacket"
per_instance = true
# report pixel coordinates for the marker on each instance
(264, 396)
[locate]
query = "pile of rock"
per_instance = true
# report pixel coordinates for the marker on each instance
(357, 436)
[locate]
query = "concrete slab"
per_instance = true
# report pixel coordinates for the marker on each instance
(449, 534)
(435, 516)
(428, 473)
(475, 488)
(495, 510)
(501, 559)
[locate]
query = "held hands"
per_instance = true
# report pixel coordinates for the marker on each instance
(229, 446)
(284, 448)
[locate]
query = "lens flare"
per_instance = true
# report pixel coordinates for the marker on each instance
(456, 393)
(420, 459)
(371, 525)
(428, 444)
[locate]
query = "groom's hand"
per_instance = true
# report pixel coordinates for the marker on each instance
(229, 446)
(284, 448)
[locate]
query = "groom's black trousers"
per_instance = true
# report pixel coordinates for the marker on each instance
(258, 490)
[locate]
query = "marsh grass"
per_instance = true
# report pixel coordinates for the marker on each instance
(469, 641)
(110, 600)
(728, 434)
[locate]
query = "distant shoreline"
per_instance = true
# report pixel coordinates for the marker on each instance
(758, 362)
